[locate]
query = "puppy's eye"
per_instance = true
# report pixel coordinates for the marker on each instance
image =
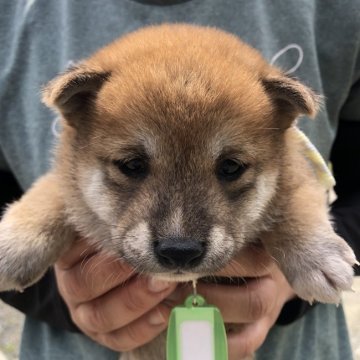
(230, 170)
(136, 168)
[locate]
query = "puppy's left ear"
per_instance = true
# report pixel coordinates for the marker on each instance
(291, 98)
(74, 91)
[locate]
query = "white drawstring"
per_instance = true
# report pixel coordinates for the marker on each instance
(286, 49)
(55, 127)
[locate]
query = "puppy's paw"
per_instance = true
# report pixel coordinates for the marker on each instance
(28, 246)
(22, 261)
(321, 270)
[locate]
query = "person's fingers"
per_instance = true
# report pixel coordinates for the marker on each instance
(255, 299)
(139, 332)
(79, 251)
(252, 261)
(243, 343)
(242, 304)
(91, 278)
(121, 306)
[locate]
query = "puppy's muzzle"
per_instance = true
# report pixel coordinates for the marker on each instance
(179, 252)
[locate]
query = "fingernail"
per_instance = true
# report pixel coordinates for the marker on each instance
(156, 318)
(156, 285)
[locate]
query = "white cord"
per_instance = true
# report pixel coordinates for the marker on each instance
(55, 127)
(286, 49)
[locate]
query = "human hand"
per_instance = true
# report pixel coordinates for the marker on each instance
(122, 314)
(250, 310)
(253, 307)
(108, 301)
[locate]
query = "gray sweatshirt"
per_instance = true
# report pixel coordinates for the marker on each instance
(316, 41)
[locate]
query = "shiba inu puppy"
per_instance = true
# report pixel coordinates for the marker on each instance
(178, 149)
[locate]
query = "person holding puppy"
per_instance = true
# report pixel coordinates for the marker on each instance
(119, 314)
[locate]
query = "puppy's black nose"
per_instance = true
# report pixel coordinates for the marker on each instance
(177, 252)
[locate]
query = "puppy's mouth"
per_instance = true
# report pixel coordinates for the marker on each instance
(189, 277)
(178, 276)
(176, 258)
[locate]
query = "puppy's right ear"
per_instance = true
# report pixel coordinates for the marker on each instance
(291, 98)
(73, 92)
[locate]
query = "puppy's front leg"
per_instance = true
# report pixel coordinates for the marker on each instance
(33, 233)
(315, 260)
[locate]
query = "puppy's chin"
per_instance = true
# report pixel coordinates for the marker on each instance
(180, 277)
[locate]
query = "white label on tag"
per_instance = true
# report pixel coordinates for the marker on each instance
(197, 340)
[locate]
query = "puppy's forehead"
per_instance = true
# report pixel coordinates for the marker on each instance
(182, 111)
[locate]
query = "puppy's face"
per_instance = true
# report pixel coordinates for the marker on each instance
(182, 182)
(176, 148)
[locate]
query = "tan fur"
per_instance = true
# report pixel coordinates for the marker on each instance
(183, 97)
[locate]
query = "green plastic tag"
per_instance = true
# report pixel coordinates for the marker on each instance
(196, 332)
